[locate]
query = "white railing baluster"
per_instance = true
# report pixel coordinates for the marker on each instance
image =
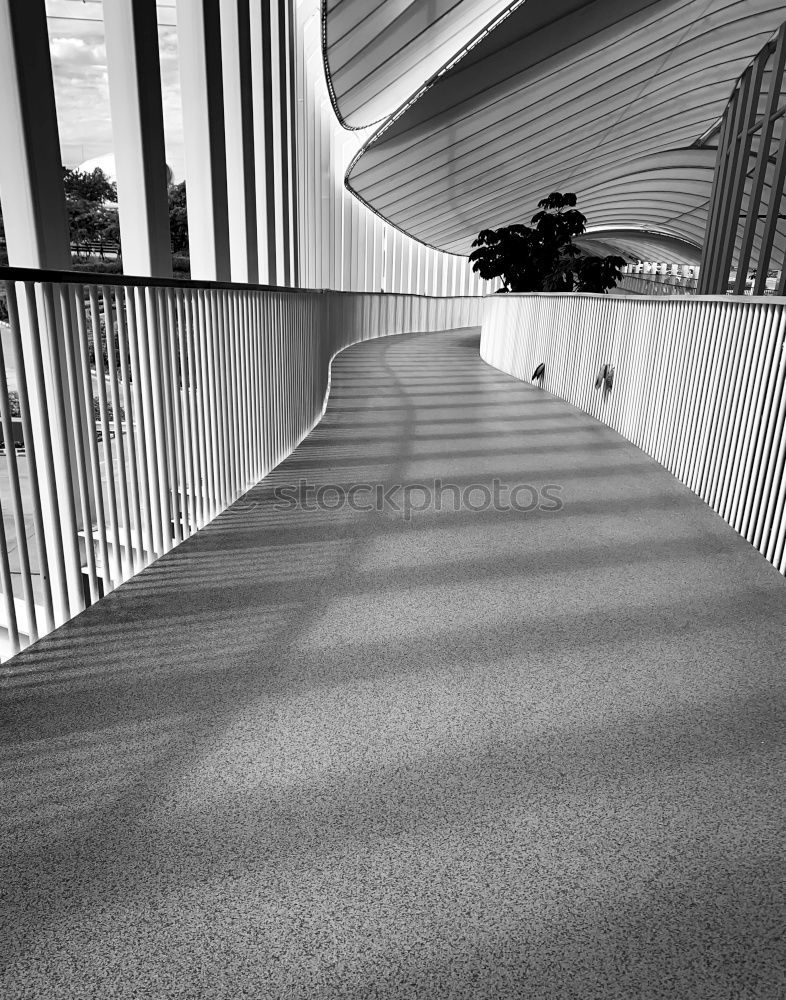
(69, 308)
(52, 539)
(135, 528)
(119, 418)
(136, 340)
(17, 506)
(106, 443)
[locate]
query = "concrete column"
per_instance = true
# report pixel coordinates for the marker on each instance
(239, 129)
(260, 73)
(201, 84)
(138, 132)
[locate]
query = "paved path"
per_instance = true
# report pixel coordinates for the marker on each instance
(477, 754)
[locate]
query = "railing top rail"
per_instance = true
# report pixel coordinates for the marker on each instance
(139, 281)
(130, 280)
(763, 299)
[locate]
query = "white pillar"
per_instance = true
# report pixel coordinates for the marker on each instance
(134, 73)
(260, 71)
(201, 86)
(31, 179)
(274, 109)
(239, 129)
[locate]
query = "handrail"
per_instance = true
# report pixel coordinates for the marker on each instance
(140, 281)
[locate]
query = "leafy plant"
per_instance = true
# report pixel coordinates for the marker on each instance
(542, 257)
(92, 211)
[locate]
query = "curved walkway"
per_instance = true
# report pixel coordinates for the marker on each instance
(481, 754)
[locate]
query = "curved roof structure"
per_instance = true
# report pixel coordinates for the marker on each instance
(378, 53)
(610, 100)
(639, 244)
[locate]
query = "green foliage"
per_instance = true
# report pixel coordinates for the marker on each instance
(542, 257)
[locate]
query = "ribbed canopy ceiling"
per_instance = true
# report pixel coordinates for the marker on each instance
(634, 244)
(606, 99)
(380, 52)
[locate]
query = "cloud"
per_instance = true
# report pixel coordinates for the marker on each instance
(68, 50)
(79, 69)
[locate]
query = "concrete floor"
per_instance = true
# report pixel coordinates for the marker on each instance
(477, 754)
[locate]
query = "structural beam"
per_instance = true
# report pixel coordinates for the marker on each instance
(31, 177)
(138, 132)
(239, 128)
(202, 90)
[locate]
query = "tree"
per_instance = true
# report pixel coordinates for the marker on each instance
(92, 186)
(543, 257)
(92, 211)
(178, 218)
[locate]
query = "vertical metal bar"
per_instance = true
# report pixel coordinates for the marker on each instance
(160, 421)
(197, 490)
(92, 443)
(20, 528)
(7, 584)
(216, 455)
(710, 233)
(66, 486)
(68, 308)
(125, 555)
(771, 222)
(56, 557)
(18, 360)
(137, 336)
(245, 424)
(144, 308)
(762, 159)
(204, 410)
(222, 368)
(238, 413)
(98, 351)
(751, 86)
(167, 415)
(136, 553)
(179, 381)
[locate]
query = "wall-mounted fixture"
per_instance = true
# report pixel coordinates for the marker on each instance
(605, 378)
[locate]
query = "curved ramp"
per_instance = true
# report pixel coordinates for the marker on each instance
(484, 753)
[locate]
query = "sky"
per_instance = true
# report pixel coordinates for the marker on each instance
(76, 36)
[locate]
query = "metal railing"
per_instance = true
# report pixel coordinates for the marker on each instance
(699, 384)
(147, 408)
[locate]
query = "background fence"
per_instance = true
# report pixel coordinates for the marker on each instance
(139, 411)
(697, 383)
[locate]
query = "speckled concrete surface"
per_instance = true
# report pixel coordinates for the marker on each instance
(476, 755)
